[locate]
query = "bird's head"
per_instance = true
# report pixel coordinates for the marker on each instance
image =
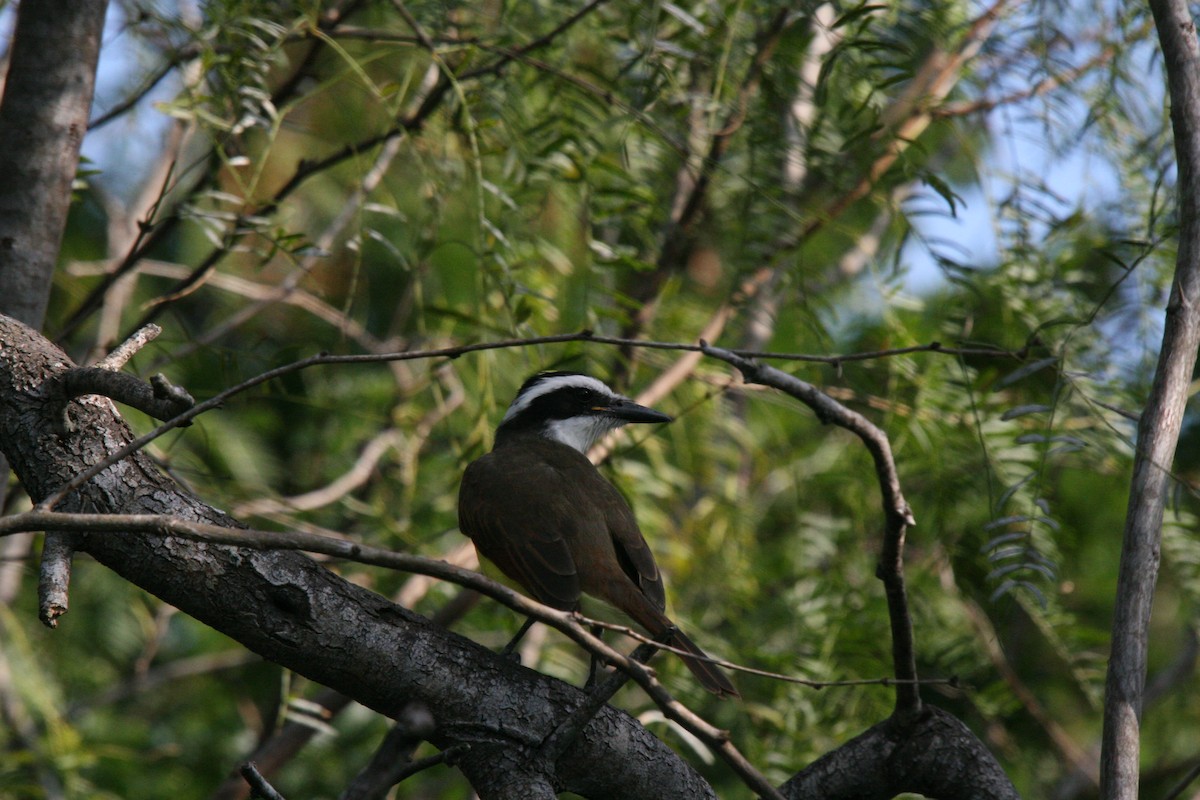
(571, 408)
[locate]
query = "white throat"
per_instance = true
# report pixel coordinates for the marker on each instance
(579, 432)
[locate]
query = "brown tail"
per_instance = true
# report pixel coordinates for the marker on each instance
(710, 675)
(629, 598)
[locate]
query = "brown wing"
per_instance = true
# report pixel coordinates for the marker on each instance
(511, 510)
(603, 520)
(633, 552)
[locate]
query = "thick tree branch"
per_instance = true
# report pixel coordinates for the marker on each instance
(568, 623)
(292, 611)
(273, 753)
(934, 755)
(1158, 430)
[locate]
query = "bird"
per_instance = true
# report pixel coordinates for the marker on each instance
(537, 508)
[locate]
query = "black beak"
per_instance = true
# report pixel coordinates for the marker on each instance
(628, 411)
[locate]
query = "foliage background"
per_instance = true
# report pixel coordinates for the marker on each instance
(318, 181)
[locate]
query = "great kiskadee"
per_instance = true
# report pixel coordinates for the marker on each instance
(541, 512)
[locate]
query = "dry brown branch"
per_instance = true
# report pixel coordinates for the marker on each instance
(358, 475)
(252, 290)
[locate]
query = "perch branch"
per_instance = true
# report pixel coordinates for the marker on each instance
(259, 786)
(564, 621)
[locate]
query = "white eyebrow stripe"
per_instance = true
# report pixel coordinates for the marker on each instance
(553, 384)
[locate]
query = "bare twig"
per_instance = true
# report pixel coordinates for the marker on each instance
(447, 756)
(534, 45)
(897, 514)
(1178, 789)
(762, 673)
(261, 292)
(159, 398)
(147, 86)
(54, 577)
(53, 498)
(358, 474)
(120, 356)
(259, 786)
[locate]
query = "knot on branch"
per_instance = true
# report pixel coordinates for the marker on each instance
(159, 398)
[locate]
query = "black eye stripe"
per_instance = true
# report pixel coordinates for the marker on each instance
(564, 404)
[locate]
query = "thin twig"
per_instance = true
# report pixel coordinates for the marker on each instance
(897, 514)
(761, 673)
(54, 577)
(147, 86)
(259, 786)
(55, 497)
(1178, 789)
(306, 169)
(120, 355)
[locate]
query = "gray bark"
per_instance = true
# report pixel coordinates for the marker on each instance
(934, 755)
(1158, 431)
(43, 117)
